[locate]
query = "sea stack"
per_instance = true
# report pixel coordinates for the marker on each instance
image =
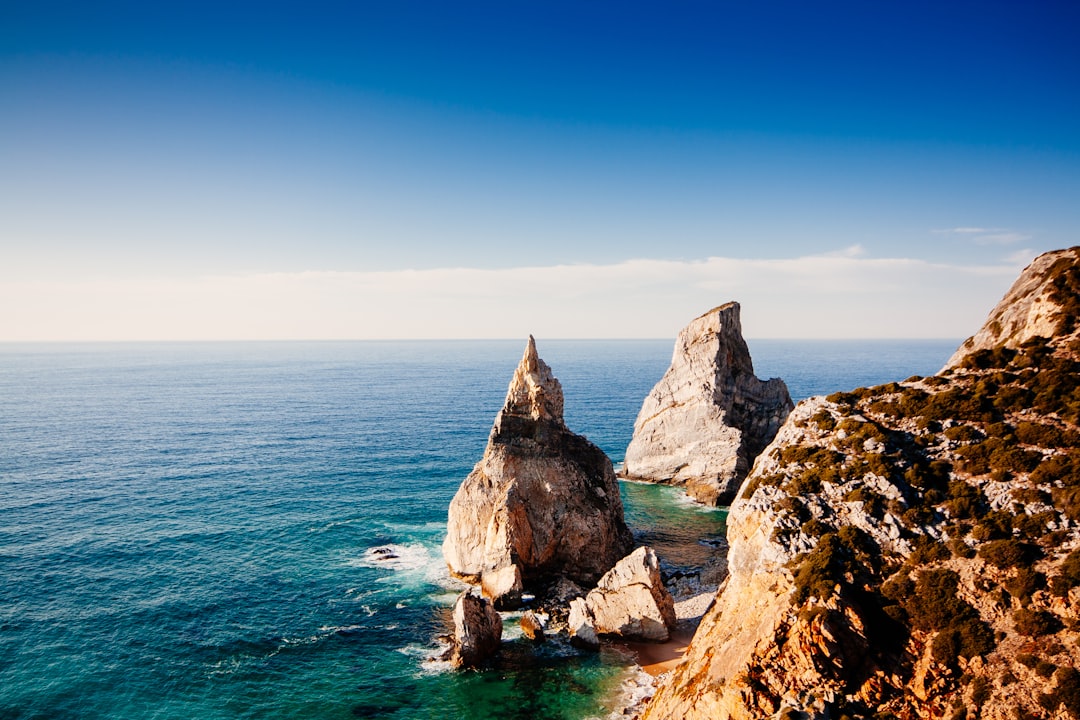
(709, 416)
(542, 502)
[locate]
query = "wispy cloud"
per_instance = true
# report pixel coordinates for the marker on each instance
(821, 296)
(986, 236)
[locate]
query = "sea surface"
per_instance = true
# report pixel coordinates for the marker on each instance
(188, 530)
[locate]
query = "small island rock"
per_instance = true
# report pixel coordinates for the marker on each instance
(709, 417)
(542, 502)
(477, 631)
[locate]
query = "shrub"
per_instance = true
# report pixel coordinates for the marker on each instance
(818, 570)
(1047, 436)
(994, 525)
(824, 420)
(980, 690)
(935, 606)
(815, 528)
(794, 507)
(926, 549)
(965, 500)
(1010, 553)
(1066, 693)
(873, 503)
(1068, 575)
(963, 433)
(1024, 584)
(1035, 623)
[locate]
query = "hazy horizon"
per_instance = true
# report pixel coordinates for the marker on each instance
(414, 170)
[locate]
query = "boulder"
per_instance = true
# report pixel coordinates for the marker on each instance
(631, 601)
(580, 625)
(709, 417)
(477, 631)
(502, 587)
(532, 626)
(541, 499)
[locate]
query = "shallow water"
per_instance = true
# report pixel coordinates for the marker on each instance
(187, 530)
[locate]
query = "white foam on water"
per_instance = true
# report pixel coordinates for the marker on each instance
(412, 556)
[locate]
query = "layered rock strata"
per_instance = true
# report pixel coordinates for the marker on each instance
(912, 550)
(542, 502)
(709, 416)
(477, 631)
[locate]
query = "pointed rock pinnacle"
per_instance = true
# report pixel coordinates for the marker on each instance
(534, 391)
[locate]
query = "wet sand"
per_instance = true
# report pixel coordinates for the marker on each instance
(658, 658)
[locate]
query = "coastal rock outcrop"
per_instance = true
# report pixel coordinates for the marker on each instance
(709, 416)
(1038, 304)
(477, 631)
(541, 503)
(913, 549)
(631, 601)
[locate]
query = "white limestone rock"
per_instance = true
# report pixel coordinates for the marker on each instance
(631, 601)
(580, 625)
(709, 417)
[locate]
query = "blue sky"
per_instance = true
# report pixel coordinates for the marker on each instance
(404, 169)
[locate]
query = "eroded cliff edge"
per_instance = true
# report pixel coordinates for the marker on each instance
(709, 416)
(913, 550)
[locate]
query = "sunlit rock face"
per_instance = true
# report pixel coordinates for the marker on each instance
(542, 502)
(912, 550)
(708, 418)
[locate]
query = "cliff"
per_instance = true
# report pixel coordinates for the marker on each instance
(542, 501)
(708, 417)
(912, 550)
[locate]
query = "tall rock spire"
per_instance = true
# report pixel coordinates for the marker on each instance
(709, 416)
(542, 502)
(534, 392)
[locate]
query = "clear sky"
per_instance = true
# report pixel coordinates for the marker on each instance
(581, 169)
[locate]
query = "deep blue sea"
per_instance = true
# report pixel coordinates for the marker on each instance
(186, 529)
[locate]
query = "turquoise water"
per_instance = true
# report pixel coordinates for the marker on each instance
(186, 529)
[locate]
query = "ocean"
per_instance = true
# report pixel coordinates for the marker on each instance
(187, 529)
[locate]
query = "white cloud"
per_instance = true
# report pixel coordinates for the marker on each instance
(1002, 238)
(821, 296)
(986, 236)
(965, 230)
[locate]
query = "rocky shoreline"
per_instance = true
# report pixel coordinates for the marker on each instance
(909, 550)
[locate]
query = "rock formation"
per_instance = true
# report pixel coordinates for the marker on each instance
(1036, 305)
(532, 626)
(580, 625)
(477, 631)
(542, 502)
(709, 416)
(912, 550)
(631, 601)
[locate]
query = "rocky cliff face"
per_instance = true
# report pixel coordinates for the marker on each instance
(1037, 305)
(912, 550)
(542, 502)
(709, 416)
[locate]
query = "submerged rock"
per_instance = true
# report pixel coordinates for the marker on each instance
(631, 601)
(542, 502)
(709, 416)
(477, 631)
